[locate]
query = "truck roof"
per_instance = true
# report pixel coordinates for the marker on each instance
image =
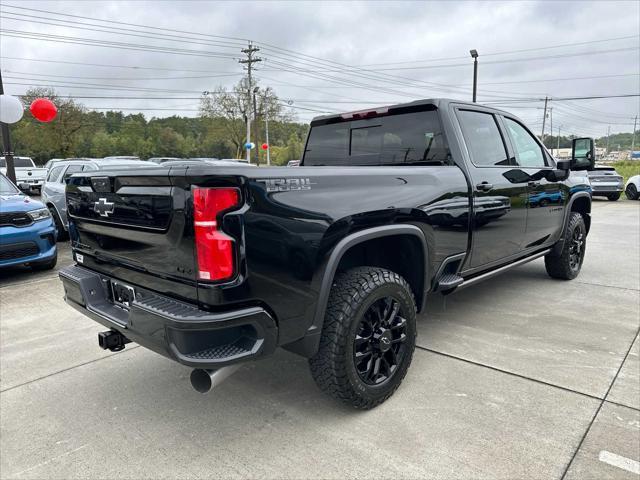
(435, 103)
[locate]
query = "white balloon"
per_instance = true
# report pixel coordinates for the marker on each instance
(11, 109)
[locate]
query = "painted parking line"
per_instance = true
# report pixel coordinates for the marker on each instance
(619, 461)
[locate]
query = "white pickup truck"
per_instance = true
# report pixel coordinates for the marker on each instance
(28, 177)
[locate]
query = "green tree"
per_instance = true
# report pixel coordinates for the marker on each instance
(230, 110)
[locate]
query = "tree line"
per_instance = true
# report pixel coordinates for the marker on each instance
(80, 132)
(219, 131)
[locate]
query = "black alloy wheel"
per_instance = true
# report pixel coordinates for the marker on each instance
(379, 344)
(576, 249)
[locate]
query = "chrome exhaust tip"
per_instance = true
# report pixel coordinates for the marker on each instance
(204, 380)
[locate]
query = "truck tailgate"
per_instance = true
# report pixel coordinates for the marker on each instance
(132, 225)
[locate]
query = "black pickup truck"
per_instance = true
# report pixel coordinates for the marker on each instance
(215, 266)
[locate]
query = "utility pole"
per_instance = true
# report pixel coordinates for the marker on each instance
(6, 144)
(544, 118)
(250, 60)
(608, 133)
(633, 136)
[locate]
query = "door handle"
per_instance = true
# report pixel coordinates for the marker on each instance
(484, 186)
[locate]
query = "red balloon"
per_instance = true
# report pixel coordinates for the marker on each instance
(43, 109)
(265, 146)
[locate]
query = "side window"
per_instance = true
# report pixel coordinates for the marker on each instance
(483, 139)
(54, 173)
(71, 170)
(528, 151)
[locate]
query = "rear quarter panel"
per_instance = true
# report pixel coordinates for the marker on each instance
(295, 217)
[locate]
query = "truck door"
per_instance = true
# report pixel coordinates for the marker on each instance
(545, 199)
(499, 201)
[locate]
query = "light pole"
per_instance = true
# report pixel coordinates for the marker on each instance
(255, 123)
(266, 128)
(474, 55)
(558, 149)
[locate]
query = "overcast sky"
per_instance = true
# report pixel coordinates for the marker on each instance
(330, 57)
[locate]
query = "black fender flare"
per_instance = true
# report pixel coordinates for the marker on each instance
(559, 245)
(325, 273)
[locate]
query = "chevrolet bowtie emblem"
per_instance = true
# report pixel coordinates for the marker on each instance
(103, 208)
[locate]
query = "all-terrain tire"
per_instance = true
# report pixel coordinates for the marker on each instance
(567, 265)
(335, 367)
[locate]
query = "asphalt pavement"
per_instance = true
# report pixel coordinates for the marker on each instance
(521, 376)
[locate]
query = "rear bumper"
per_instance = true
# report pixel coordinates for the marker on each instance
(599, 188)
(177, 330)
(34, 185)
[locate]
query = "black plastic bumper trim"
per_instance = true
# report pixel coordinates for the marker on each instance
(177, 330)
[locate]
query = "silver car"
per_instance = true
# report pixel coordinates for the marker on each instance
(53, 189)
(606, 182)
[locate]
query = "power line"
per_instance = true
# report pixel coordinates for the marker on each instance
(112, 44)
(102, 77)
(508, 52)
(244, 40)
(110, 29)
(540, 80)
(133, 67)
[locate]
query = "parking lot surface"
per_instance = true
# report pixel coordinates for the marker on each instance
(519, 377)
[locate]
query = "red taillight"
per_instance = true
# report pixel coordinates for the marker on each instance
(214, 248)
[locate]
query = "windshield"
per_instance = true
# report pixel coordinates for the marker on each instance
(6, 187)
(18, 162)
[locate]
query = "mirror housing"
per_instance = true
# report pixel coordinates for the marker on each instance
(23, 186)
(561, 172)
(583, 154)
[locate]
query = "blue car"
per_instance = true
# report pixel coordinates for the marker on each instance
(27, 231)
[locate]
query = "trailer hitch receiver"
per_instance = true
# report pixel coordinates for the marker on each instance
(112, 340)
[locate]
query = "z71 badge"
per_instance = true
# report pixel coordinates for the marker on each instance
(286, 184)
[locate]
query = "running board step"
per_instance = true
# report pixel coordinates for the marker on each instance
(449, 281)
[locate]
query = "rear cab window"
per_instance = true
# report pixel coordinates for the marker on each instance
(413, 138)
(18, 162)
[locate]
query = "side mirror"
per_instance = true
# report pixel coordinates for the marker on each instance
(23, 186)
(561, 171)
(583, 154)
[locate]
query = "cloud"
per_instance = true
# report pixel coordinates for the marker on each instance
(305, 46)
